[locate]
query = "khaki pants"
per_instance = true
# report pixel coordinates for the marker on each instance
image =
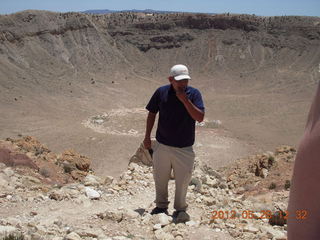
(181, 160)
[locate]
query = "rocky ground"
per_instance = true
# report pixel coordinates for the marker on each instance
(56, 196)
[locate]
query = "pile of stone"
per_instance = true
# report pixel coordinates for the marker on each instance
(248, 172)
(108, 208)
(31, 158)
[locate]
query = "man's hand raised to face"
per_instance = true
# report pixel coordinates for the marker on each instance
(181, 94)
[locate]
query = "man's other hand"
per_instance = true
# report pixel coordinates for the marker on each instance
(147, 143)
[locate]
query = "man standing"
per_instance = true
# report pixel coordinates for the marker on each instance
(179, 106)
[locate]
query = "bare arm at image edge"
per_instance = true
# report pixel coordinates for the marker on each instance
(304, 192)
(150, 122)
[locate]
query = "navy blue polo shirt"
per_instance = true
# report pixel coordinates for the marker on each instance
(176, 127)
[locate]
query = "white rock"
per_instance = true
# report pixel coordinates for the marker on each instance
(108, 180)
(177, 233)
(146, 219)
(273, 233)
(214, 192)
(180, 226)
(192, 223)
(14, 222)
(264, 173)
(41, 197)
(250, 229)
(120, 238)
(42, 230)
(133, 166)
(91, 180)
(127, 178)
(97, 121)
(73, 193)
(92, 194)
(210, 182)
(164, 219)
(214, 173)
(157, 226)
(244, 220)
(130, 214)
(209, 201)
(36, 236)
(8, 171)
(223, 185)
(30, 179)
(218, 221)
(6, 230)
(230, 225)
(113, 215)
(161, 235)
(3, 181)
(90, 232)
(168, 228)
(72, 236)
(257, 215)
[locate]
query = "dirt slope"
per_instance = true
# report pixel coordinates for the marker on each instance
(60, 70)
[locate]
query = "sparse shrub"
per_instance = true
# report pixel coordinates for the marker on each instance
(272, 186)
(278, 218)
(287, 185)
(271, 160)
(67, 167)
(39, 151)
(44, 172)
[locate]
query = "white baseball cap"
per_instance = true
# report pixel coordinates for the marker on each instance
(180, 72)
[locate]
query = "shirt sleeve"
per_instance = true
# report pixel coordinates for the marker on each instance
(153, 105)
(197, 100)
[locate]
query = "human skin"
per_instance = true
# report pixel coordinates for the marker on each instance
(150, 122)
(305, 191)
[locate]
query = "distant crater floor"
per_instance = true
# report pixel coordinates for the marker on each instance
(123, 122)
(214, 145)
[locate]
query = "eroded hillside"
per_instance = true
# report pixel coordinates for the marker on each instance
(59, 70)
